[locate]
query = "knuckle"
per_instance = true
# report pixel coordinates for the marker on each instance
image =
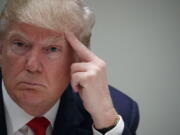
(73, 66)
(74, 77)
(92, 75)
(101, 65)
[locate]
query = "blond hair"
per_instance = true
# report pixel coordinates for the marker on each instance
(58, 15)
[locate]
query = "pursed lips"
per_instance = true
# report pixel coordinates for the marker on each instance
(32, 84)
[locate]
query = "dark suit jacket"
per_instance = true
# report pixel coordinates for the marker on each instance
(72, 118)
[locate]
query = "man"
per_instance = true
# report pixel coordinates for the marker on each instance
(51, 82)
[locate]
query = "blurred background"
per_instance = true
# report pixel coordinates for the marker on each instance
(140, 41)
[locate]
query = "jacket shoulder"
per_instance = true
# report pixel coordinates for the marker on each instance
(126, 107)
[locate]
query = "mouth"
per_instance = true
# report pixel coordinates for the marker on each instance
(32, 84)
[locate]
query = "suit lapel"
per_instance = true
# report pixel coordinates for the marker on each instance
(71, 118)
(3, 128)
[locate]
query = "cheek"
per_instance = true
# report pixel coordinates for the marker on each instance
(59, 72)
(7, 60)
(61, 67)
(10, 61)
(10, 69)
(58, 79)
(11, 65)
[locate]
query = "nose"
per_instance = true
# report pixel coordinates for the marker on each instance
(33, 62)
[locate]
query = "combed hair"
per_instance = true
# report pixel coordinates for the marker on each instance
(58, 15)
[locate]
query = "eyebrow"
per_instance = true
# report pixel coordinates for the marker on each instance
(14, 33)
(50, 39)
(54, 39)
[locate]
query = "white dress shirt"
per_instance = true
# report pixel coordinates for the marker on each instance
(16, 118)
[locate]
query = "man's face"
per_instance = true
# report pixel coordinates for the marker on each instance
(35, 65)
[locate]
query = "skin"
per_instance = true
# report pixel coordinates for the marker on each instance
(88, 77)
(34, 75)
(43, 62)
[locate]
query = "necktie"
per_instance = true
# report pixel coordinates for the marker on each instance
(38, 125)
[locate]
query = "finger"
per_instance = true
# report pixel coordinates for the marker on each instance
(81, 67)
(81, 50)
(77, 80)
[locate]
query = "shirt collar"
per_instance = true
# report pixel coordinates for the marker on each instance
(16, 117)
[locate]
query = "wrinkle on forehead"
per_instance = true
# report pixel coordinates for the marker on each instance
(34, 33)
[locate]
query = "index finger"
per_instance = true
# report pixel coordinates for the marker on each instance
(80, 49)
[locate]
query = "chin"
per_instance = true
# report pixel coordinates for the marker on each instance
(29, 98)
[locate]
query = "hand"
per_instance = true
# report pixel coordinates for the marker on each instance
(88, 77)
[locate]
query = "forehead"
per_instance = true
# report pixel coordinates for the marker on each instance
(33, 32)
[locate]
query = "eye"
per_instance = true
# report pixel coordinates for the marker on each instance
(19, 47)
(53, 49)
(19, 44)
